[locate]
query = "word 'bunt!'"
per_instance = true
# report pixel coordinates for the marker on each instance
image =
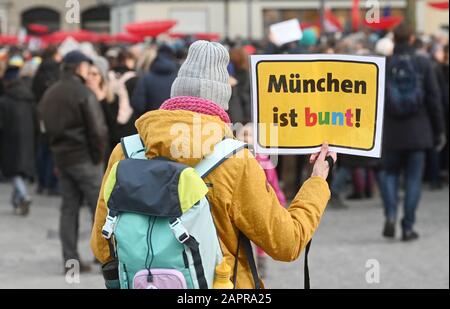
(348, 118)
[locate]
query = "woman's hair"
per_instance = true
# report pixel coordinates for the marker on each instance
(402, 33)
(239, 58)
(49, 52)
(123, 56)
(146, 59)
(104, 83)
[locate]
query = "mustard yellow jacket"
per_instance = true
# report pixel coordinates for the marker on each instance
(241, 198)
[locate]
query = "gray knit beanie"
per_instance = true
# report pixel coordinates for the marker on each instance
(204, 74)
(102, 65)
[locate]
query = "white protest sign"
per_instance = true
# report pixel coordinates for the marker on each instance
(286, 32)
(301, 101)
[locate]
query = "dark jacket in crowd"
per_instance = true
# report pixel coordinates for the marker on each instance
(445, 73)
(420, 130)
(446, 101)
(46, 75)
(153, 88)
(443, 85)
(115, 130)
(18, 130)
(74, 122)
(240, 105)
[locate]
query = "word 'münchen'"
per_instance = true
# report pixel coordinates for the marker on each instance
(329, 84)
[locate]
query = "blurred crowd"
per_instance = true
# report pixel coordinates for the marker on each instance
(129, 80)
(123, 82)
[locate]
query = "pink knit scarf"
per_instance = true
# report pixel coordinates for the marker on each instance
(197, 105)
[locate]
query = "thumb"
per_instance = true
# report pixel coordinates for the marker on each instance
(323, 152)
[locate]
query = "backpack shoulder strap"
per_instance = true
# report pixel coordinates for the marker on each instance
(133, 147)
(222, 151)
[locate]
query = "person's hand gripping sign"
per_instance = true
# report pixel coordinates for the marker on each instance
(323, 161)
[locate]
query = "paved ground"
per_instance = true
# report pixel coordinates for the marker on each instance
(345, 241)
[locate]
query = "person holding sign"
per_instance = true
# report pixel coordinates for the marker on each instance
(242, 200)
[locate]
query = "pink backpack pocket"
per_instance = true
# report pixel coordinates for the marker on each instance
(161, 279)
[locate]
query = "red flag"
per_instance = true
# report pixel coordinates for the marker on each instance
(387, 22)
(332, 23)
(355, 15)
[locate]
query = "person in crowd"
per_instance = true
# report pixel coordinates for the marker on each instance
(74, 123)
(338, 183)
(3, 67)
(18, 132)
(407, 137)
(240, 105)
(125, 71)
(47, 74)
(241, 198)
(434, 165)
(363, 183)
(114, 102)
(153, 88)
(384, 47)
(445, 72)
(29, 70)
(145, 60)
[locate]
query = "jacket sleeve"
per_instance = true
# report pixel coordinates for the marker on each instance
(433, 98)
(99, 245)
(281, 233)
(138, 101)
(97, 132)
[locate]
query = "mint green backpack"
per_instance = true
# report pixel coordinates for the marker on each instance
(159, 225)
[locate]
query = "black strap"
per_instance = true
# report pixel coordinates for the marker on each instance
(236, 263)
(112, 251)
(250, 259)
(193, 245)
(306, 274)
(330, 161)
(124, 149)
